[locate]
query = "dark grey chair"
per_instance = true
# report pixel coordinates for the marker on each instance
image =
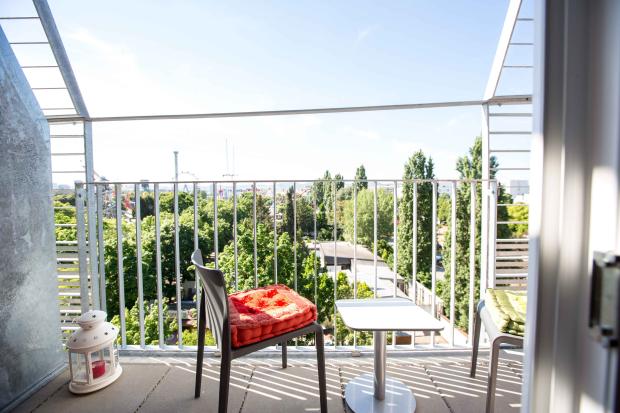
(497, 339)
(214, 305)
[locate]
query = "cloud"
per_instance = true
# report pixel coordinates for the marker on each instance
(367, 31)
(365, 134)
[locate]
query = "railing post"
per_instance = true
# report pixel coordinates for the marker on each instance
(314, 269)
(137, 198)
(118, 189)
(484, 213)
(335, 264)
(472, 259)
(395, 230)
(452, 262)
(493, 194)
(414, 251)
(275, 232)
(254, 236)
(434, 258)
(355, 253)
(295, 233)
(236, 258)
(216, 246)
(80, 195)
(177, 253)
(160, 311)
(414, 244)
(101, 250)
(196, 277)
(374, 232)
(93, 260)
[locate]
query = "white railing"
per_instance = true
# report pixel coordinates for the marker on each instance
(118, 219)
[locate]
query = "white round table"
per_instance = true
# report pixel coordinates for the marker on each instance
(375, 392)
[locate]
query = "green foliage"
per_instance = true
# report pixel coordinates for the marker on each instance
(444, 209)
(151, 322)
(304, 214)
(264, 258)
(365, 216)
(339, 182)
(418, 166)
(518, 213)
(386, 252)
(360, 176)
(190, 335)
(325, 207)
(166, 201)
(190, 338)
(65, 214)
(344, 336)
(469, 167)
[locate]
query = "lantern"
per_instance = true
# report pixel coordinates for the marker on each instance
(93, 354)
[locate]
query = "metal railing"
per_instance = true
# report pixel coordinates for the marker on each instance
(118, 208)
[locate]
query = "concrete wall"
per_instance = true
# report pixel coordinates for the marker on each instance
(30, 347)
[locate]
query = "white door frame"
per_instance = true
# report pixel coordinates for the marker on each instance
(574, 208)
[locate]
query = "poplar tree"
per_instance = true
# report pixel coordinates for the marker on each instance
(418, 166)
(468, 167)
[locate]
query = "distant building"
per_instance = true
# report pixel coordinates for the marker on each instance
(519, 187)
(364, 271)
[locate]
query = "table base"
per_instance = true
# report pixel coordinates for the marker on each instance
(360, 398)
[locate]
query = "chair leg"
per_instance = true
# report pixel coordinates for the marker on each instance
(320, 359)
(224, 381)
(201, 345)
(493, 362)
(284, 358)
(476, 343)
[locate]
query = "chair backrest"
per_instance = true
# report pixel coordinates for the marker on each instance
(216, 299)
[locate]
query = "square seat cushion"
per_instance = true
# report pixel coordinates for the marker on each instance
(262, 313)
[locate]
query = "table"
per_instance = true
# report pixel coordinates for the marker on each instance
(380, 316)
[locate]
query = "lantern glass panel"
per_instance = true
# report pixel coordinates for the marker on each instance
(98, 364)
(109, 360)
(115, 358)
(78, 368)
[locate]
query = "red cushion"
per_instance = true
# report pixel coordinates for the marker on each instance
(261, 313)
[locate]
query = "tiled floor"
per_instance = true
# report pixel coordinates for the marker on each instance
(166, 384)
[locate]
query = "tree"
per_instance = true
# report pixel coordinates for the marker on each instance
(518, 213)
(365, 216)
(264, 258)
(166, 201)
(322, 192)
(360, 178)
(344, 335)
(469, 167)
(418, 166)
(151, 324)
(289, 211)
(339, 181)
(190, 335)
(444, 208)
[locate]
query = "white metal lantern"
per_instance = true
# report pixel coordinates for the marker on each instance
(93, 354)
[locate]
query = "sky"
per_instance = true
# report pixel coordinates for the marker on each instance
(148, 57)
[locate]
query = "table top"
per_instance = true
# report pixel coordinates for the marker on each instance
(386, 314)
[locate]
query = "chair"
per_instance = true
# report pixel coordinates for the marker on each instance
(497, 338)
(214, 305)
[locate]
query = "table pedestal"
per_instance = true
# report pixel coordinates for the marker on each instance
(375, 392)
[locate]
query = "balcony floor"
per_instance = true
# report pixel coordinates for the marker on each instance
(440, 383)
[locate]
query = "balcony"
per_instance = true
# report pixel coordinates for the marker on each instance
(124, 247)
(160, 223)
(440, 383)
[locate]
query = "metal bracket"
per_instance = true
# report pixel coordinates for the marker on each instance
(604, 319)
